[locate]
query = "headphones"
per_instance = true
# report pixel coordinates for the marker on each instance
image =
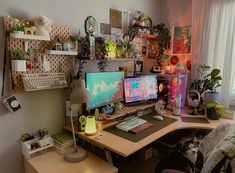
(193, 102)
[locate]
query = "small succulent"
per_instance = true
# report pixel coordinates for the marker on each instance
(18, 54)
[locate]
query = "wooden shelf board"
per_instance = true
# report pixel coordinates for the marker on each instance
(57, 52)
(29, 37)
(129, 110)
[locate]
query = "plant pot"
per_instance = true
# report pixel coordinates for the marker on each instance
(18, 32)
(18, 65)
(212, 114)
(211, 97)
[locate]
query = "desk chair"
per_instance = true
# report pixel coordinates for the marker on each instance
(214, 153)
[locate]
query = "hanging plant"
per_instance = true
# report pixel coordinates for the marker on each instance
(83, 54)
(101, 52)
(164, 41)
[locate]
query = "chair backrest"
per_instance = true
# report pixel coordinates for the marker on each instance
(217, 145)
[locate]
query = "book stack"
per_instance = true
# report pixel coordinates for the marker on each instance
(63, 143)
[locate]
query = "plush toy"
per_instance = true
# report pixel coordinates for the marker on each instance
(43, 25)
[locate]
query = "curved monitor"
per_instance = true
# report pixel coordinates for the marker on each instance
(104, 87)
(141, 88)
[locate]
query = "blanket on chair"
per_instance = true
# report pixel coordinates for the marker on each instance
(218, 144)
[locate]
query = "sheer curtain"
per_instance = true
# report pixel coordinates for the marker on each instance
(214, 44)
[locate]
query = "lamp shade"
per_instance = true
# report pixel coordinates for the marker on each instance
(79, 92)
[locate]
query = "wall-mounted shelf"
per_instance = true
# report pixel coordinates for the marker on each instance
(119, 59)
(29, 37)
(147, 36)
(125, 59)
(58, 52)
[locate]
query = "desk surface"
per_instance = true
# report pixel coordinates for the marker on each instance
(52, 162)
(125, 147)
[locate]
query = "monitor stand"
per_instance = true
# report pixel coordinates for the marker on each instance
(138, 103)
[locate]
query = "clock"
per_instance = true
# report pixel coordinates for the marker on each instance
(90, 25)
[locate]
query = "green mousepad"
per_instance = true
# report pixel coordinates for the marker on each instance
(157, 125)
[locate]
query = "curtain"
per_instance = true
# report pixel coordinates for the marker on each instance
(215, 41)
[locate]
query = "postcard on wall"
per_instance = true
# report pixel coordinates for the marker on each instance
(182, 40)
(115, 18)
(105, 28)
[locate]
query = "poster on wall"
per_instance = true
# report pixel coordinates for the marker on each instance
(182, 40)
(115, 18)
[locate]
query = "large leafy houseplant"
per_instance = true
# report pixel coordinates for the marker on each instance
(208, 80)
(207, 83)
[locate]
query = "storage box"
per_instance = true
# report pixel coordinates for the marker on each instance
(45, 144)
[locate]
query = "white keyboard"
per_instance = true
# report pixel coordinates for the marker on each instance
(130, 123)
(41, 81)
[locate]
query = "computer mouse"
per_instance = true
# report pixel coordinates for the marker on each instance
(158, 117)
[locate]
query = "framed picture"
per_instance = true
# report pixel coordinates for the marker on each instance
(182, 40)
(105, 28)
(115, 18)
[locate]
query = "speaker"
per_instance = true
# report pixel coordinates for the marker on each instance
(81, 123)
(12, 103)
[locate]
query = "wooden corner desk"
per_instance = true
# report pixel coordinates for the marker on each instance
(52, 162)
(110, 142)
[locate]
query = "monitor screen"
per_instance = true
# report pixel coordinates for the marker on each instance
(140, 88)
(104, 87)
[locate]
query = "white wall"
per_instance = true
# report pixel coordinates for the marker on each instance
(45, 109)
(176, 13)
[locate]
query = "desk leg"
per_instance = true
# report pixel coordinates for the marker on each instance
(108, 156)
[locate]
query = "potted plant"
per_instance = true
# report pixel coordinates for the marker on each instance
(207, 83)
(215, 110)
(212, 82)
(18, 60)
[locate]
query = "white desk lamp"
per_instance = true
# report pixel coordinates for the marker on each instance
(79, 95)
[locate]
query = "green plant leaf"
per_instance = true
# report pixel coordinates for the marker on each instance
(214, 73)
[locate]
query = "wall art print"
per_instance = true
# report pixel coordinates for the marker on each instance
(182, 40)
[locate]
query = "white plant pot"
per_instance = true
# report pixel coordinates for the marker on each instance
(18, 32)
(18, 65)
(211, 97)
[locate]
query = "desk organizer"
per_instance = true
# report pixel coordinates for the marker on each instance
(45, 144)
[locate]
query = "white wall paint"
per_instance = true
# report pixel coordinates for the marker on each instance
(176, 12)
(46, 108)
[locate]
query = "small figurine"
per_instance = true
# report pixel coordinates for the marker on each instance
(119, 106)
(43, 25)
(159, 107)
(96, 113)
